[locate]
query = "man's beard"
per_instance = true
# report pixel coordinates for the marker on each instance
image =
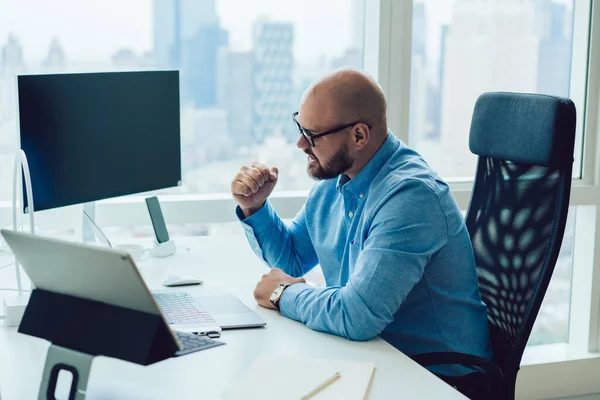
(337, 165)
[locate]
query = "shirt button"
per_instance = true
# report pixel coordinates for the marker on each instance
(361, 195)
(351, 214)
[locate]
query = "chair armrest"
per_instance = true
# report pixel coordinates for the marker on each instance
(444, 358)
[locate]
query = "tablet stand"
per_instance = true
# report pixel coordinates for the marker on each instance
(80, 329)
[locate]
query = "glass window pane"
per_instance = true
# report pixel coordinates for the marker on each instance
(552, 323)
(244, 67)
(462, 48)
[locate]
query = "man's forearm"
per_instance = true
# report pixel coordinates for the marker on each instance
(277, 244)
(335, 310)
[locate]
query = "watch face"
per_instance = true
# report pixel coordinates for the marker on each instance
(275, 293)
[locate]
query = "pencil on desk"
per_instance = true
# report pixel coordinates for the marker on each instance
(321, 386)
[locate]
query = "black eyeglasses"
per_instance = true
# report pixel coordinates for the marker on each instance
(310, 137)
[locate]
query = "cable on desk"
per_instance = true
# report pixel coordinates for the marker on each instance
(7, 265)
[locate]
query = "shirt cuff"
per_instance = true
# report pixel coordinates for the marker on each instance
(260, 220)
(288, 300)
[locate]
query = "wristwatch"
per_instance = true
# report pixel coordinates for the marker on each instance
(276, 295)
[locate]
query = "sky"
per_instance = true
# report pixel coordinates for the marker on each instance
(92, 30)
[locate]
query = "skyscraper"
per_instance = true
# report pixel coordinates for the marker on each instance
(491, 46)
(125, 58)
(199, 56)
(56, 60)
(272, 79)
(180, 18)
(11, 57)
(187, 36)
(234, 93)
(352, 57)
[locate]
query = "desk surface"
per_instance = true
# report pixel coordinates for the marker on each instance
(225, 265)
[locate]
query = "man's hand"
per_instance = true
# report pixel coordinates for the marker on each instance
(269, 282)
(252, 185)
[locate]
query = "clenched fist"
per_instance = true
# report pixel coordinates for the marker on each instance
(252, 185)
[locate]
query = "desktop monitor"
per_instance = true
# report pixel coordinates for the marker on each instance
(92, 136)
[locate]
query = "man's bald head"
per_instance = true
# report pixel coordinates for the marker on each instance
(349, 95)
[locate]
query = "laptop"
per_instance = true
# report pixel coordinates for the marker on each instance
(90, 272)
(203, 315)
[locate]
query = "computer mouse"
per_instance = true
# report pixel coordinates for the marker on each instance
(181, 281)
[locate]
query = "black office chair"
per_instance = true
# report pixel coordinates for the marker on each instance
(516, 220)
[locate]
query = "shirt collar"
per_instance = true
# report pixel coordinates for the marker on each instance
(363, 179)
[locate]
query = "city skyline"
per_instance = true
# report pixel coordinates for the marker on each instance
(86, 31)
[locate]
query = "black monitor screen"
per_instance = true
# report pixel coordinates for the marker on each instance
(94, 136)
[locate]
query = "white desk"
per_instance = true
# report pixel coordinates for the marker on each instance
(225, 264)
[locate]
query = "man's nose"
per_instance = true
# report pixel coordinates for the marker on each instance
(301, 143)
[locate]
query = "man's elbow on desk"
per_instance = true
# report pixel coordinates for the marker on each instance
(361, 335)
(335, 316)
(348, 328)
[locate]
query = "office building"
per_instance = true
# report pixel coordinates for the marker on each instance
(490, 46)
(11, 57)
(205, 133)
(272, 79)
(199, 55)
(554, 64)
(56, 60)
(352, 57)
(176, 21)
(234, 93)
(125, 59)
(187, 37)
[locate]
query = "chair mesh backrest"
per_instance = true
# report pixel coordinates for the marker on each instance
(513, 222)
(518, 209)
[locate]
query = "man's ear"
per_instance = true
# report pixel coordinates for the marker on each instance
(361, 134)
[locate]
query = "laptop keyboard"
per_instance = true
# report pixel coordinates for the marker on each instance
(180, 308)
(191, 343)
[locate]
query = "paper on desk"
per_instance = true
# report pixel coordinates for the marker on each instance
(278, 377)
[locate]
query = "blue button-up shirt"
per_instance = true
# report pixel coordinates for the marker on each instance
(395, 254)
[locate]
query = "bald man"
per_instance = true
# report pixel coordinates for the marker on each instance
(388, 235)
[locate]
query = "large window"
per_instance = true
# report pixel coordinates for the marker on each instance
(244, 67)
(462, 48)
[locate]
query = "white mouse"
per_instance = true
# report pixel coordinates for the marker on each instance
(181, 281)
